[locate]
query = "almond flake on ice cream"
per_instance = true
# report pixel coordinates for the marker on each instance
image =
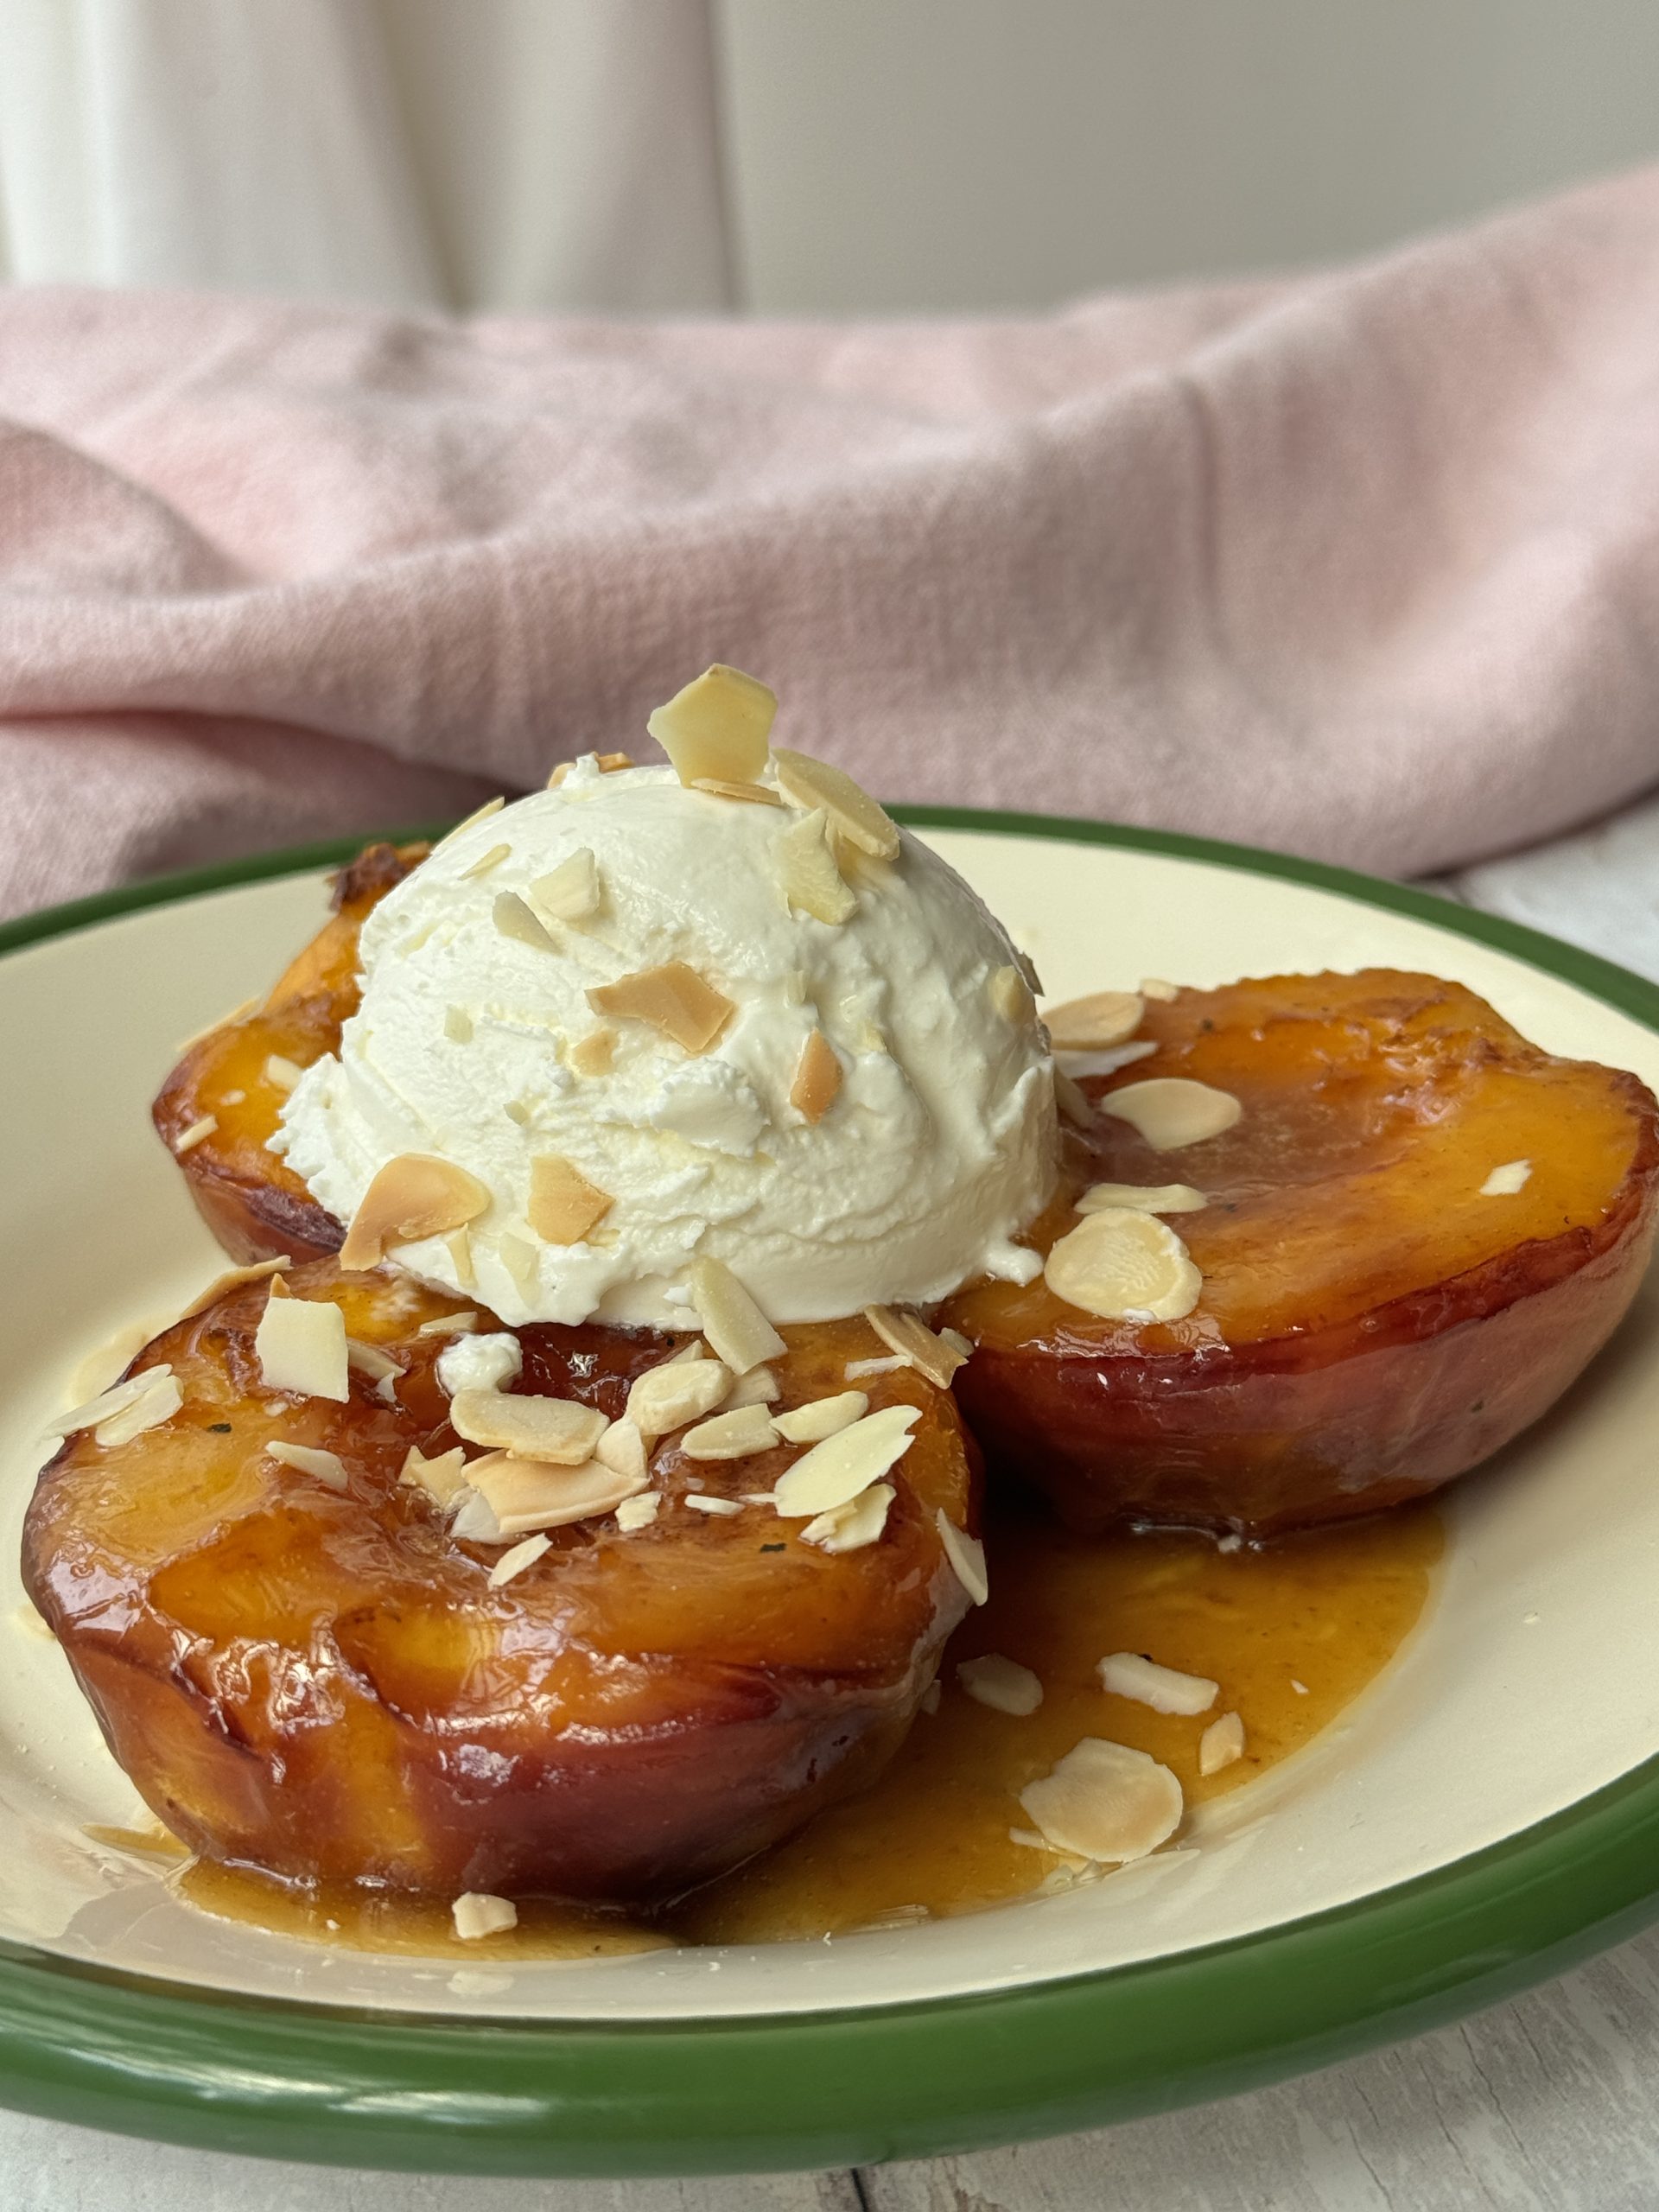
(734, 1326)
(563, 1204)
(717, 727)
(415, 1195)
(672, 998)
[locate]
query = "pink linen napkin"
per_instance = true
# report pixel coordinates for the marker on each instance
(1364, 563)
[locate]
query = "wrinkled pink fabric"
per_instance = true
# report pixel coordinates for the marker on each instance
(1364, 563)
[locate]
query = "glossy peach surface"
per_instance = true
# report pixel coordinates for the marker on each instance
(1370, 1323)
(323, 1684)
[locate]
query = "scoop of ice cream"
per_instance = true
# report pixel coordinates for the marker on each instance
(607, 1004)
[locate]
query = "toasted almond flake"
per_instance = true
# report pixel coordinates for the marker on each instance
(759, 1387)
(1300, 1688)
(442, 1478)
(561, 769)
(967, 1557)
(232, 1279)
(301, 1346)
(154, 1405)
(963, 1346)
(672, 998)
(1009, 994)
(812, 884)
(458, 1025)
(281, 1072)
(371, 1360)
(557, 1430)
(478, 814)
(1503, 1182)
(734, 1326)
(231, 1098)
(722, 787)
(485, 862)
(414, 1195)
(849, 1527)
(477, 1914)
(569, 893)
(1160, 1197)
(448, 1325)
(838, 1469)
(821, 1417)
(815, 786)
(514, 917)
(517, 1255)
(515, 1561)
(1033, 1839)
(1221, 1743)
(1124, 1266)
(199, 1036)
(1165, 1689)
(458, 1245)
(1095, 1023)
(563, 1204)
(470, 1520)
(519, 1111)
(593, 1054)
(525, 1495)
(1105, 1803)
(639, 1512)
(915, 1344)
(622, 1449)
(717, 727)
(608, 764)
(700, 1502)
(737, 1433)
(856, 1369)
(1171, 1110)
(1003, 1684)
(693, 1347)
(679, 1391)
(1092, 1063)
(1072, 1101)
(328, 1467)
(1154, 987)
(198, 1132)
(818, 1077)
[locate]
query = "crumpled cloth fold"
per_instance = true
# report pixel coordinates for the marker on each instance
(1363, 563)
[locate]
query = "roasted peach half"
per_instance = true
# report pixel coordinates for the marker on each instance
(1378, 1311)
(234, 1079)
(321, 1681)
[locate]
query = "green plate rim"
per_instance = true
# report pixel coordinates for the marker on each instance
(291, 2078)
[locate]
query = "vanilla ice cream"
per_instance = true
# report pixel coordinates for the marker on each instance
(889, 1160)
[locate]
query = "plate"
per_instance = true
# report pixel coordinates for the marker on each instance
(1485, 1813)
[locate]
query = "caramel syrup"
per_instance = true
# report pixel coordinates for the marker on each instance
(1292, 1632)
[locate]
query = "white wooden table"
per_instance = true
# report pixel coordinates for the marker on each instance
(1549, 2104)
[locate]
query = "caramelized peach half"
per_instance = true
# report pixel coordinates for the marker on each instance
(321, 1682)
(237, 1075)
(1373, 1320)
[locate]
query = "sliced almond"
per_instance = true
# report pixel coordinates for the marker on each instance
(1106, 1802)
(846, 1462)
(699, 1502)
(738, 1434)
(371, 1360)
(458, 1025)
(967, 1557)
(301, 1346)
(622, 1449)
(639, 1512)
(158, 1401)
(673, 998)
(593, 1054)
(476, 1914)
(1003, 1684)
(1155, 987)
(109, 1402)
(1165, 1689)
(525, 1495)
(1095, 1023)
(198, 1133)
(821, 1417)
(281, 1072)
(679, 1391)
(519, 1257)
(1503, 1182)
(478, 814)
(233, 1279)
(557, 1430)
(458, 1245)
(514, 917)
(485, 862)
(1171, 1110)
(739, 1332)
(514, 1562)
(718, 726)
(818, 1077)
(753, 794)
(1072, 1101)
(848, 1527)
(888, 1364)
(448, 1325)
(1124, 1266)
(327, 1467)
(414, 1195)
(915, 1344)
(1009, 995)
(442, 1478)
(1159, 1198)
(814, 787)
(563, 1204)
(811, 882)
(569, 893)
(759, 1387)
(1221, 1743)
